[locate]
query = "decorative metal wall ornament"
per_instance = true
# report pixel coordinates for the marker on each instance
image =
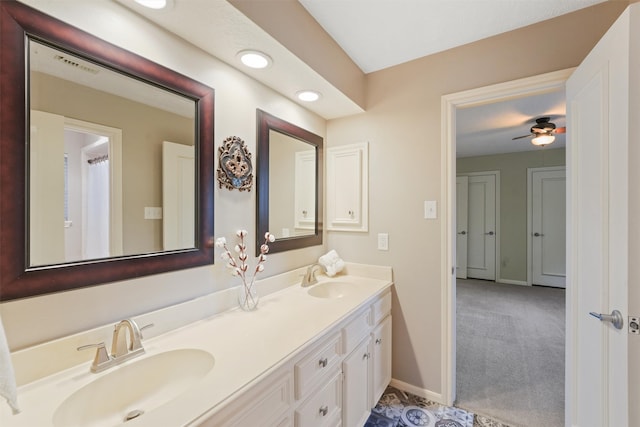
(235, 170)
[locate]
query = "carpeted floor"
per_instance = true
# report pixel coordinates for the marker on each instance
(397, 408)
(510, 352)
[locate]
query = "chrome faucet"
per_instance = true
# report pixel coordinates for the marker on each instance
(121, 348)
(309, 277)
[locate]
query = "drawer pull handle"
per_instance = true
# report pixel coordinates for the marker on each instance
(379, 341)
(323, 362)
(324, 411)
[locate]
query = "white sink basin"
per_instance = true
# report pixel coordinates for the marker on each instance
(130, 390)
(332, 289)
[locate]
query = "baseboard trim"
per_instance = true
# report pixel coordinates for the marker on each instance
(420, 392)
(513, 282)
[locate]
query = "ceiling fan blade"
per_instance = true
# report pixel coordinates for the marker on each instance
(523, 136)
(560, 130)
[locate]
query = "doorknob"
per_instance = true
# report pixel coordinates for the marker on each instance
(489, 233)
(462, 232)
(615, 318)
(536, 234)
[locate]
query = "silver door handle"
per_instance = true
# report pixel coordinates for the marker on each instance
(615, 318)
(538, 234)
(489, 233)
(462, 232)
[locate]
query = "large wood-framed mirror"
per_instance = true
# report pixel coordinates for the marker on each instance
(71, 101)
(288, 184)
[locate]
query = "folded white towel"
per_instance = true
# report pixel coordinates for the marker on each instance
(331, 262)
(8, 388)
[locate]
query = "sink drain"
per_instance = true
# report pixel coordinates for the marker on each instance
(133, 414)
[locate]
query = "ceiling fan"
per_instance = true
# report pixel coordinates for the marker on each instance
(543, 132)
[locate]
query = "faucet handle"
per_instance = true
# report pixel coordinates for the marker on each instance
(150, 325)
(101, 356)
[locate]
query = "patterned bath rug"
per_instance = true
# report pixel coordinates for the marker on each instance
(399, 409)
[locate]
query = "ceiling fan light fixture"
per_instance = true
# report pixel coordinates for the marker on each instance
(543, 139)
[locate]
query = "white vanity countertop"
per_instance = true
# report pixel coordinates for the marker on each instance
(245, 346)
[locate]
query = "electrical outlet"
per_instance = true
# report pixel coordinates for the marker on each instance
(383, 241)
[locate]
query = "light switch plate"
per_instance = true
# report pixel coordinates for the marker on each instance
(383, 241)
(152, 212)
(430, 209)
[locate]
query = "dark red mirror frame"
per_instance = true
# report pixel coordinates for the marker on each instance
(18, 22)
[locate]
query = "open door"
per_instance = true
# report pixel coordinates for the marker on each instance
(599, 134)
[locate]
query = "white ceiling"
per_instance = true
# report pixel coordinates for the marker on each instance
(378, 34)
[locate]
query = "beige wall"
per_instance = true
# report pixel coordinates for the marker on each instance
(33, 320)
(402, 125)
(513, 202)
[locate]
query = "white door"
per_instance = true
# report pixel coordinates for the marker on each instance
(462, 197)
(46, 189)
(178, 196)
(548, 226)
(598, 132)
(481, 235)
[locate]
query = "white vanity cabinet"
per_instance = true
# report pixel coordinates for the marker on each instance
(347, 187)
(333, 381)
(366, 368)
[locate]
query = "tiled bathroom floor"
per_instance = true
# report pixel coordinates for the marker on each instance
(397, 408)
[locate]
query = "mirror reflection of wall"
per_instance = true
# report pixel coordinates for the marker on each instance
(292, 172)
(74, 89)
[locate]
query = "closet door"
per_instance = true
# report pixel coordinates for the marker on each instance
(481, 235)
(462, 226)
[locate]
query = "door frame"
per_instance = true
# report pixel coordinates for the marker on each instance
(544, 83)
(496, 175)
(530, 172)
(116, 245)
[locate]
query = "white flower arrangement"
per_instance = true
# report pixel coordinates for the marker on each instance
(240, 267)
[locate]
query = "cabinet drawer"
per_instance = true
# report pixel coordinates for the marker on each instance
(315, 367)
(324, 407)
(381, 308)
(355, 331)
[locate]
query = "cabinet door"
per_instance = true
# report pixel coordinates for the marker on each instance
(381, 358)
(347, 187)
(356, 385)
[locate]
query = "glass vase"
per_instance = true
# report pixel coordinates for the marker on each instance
(247, 297)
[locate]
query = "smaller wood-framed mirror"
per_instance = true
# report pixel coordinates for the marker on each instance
(288, 184)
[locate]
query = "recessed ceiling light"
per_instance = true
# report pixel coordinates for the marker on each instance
(254, 58)
(153, 4)
(308, 95)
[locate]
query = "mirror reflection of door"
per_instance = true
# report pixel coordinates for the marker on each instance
(292, 186)
(75, 191)
(178, 196)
